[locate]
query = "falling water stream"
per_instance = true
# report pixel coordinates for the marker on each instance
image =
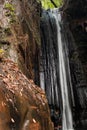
(67, 123)
(55, 75)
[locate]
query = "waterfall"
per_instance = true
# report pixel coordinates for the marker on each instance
(55, 75)
(49, 60)
(67, 123)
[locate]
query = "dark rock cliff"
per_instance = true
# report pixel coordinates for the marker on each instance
(75, 18)
(74, 12)
(75, 8)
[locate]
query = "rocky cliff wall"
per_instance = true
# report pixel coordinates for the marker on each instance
(75, 18)
(20, 34)
(23, 105)
(74, 12)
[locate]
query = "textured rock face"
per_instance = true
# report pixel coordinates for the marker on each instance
(19, 32)
(75, 13)
(23, 106)
(75, 8)
(75, 17)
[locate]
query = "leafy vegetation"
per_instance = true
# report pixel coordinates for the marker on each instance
(49, 3)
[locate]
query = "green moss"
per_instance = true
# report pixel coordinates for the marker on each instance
(2, 52)
(9, 7)
(10, 12)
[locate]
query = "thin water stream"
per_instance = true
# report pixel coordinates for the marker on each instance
(67, 123)
(55, 75)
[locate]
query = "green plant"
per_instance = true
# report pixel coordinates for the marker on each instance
(2, 52)
(49, 3)
(10, 7)
(10, 12)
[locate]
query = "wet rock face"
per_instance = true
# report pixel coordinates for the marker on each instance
(75, 8)
(76, 17)
(78, 26)
(23, 106)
